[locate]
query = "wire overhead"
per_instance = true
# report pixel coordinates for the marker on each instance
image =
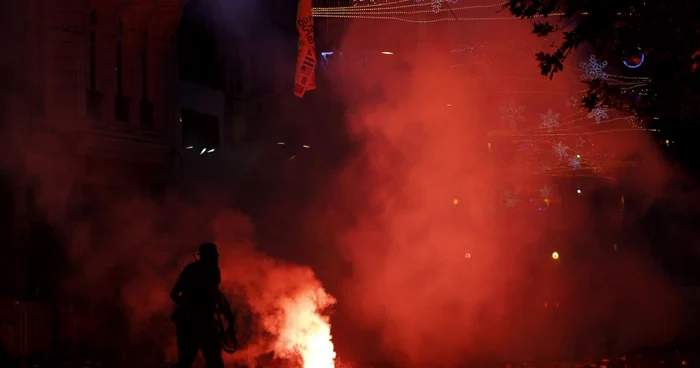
(413, 11)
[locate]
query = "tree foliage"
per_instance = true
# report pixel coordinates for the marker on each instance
(666, 32)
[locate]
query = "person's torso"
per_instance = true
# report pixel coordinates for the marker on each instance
(200, 292)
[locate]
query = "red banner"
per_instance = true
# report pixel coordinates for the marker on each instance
(305, 79)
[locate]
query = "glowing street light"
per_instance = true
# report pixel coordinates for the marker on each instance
(555, 255)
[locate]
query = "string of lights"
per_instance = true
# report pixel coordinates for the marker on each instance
(576, 146)
(424, 21)
(372, 4)
(372, 7)
(572, 146)
(379, 9)
(356, 14)
(436, 5)
(557, 145)
(400, 10)
(579, 144)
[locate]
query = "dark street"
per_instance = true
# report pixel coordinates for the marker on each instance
(349, 183)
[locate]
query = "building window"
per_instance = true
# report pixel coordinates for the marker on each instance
(200, 132)
(121, 103)
(94, 98)
(147, 118)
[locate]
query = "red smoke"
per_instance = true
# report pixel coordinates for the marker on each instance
(282, 305)
(289, 303)
(419, 196)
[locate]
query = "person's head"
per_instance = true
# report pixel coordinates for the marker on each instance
(208, 253)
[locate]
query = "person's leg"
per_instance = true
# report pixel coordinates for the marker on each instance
(210, 344)
(212, 355)
(187, 346)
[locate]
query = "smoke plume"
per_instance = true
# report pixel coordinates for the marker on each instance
(142, 246)
(443, 269)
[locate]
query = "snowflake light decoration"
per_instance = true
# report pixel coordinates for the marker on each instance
(575, 162)
(573, 101)
(593, 69)
(525, 147)
(634, 121)
(509, 200)
(550, 120)
(513, 114)
(525, 150)
(469, 48)
(580, 141)
(598, 114)
(561, 151)
(546, 192)
(437, 4)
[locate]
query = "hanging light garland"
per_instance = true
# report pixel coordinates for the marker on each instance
(555, 146)
(403, 10)
(562, 141)
(564, 146)
(435, 4)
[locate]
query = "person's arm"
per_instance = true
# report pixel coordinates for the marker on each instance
(176, 293)
(224, 305)
(225, 308)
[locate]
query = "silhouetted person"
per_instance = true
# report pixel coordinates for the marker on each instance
(198, 300)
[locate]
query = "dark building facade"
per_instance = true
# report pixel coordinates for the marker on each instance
(89, 114)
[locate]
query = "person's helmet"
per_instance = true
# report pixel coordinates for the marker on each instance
(208, 250)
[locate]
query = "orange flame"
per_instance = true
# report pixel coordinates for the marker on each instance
(306, 331)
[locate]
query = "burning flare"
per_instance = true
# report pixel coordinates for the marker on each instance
(305, 331)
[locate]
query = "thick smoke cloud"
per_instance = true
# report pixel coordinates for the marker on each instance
(137, 248)
(440, 270)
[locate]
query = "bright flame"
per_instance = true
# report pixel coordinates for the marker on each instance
(306, 332)
(555, 255)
